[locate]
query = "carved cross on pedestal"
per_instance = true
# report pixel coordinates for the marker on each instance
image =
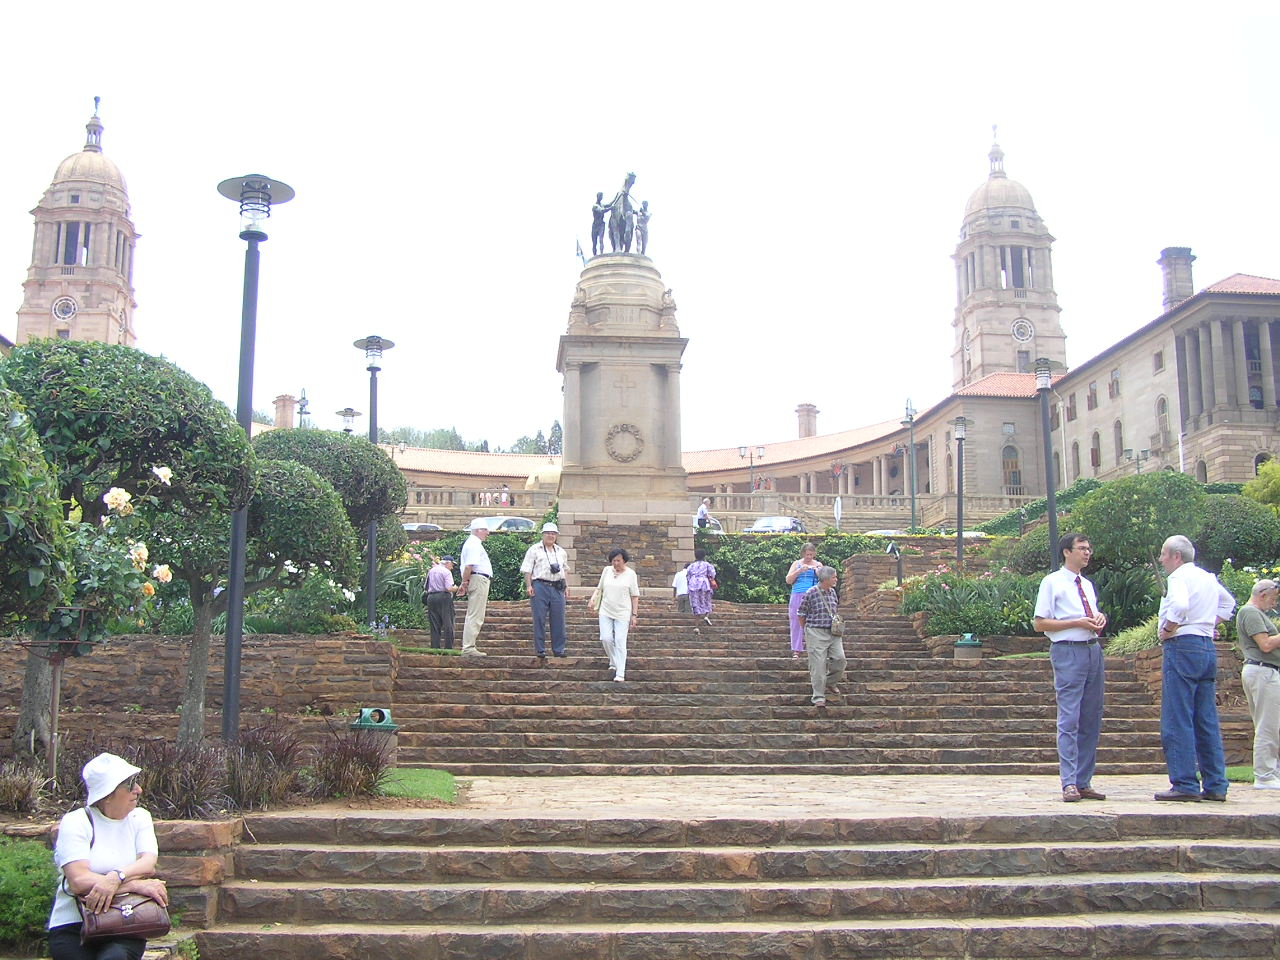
(623, 384)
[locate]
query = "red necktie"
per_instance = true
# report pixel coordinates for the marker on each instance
(1088, 611)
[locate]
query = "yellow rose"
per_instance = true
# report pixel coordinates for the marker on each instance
(149, 589)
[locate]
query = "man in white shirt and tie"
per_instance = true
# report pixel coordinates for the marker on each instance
(1190, 611)
(1067, 613)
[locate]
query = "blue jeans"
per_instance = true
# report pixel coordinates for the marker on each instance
(1189, 729)
(546, 602)
(1077, 685)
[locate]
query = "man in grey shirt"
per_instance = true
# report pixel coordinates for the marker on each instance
(1260, 642)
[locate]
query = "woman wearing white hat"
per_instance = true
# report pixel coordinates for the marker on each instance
(104, 848)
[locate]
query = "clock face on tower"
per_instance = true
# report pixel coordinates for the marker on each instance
(1022, 330)
(968, 343)
(64, 308)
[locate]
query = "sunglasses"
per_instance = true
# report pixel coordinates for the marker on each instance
(130, 783)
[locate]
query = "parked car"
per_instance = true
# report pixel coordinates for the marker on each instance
(713, 526)
(507, 524)
(776, 525)
(421, 527)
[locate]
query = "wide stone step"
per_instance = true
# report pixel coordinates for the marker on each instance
(553, 722)
(568, 679)
(448, 864)
(685, 707)
(1189, 935)
(714, 699)
(1135, 765)
(625, 738)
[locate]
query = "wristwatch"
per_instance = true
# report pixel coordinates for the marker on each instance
(120, 874)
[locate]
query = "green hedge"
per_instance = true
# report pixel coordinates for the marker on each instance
(27, 881)
(753, 568)
(1009, 524)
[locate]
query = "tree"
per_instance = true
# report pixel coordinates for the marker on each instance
(296, 524)
(1238, 528)
(526, 444)
(1265, 487)
(555, 442)
(1128, 519)
(33, 545)
(111, 416)
(369, 483)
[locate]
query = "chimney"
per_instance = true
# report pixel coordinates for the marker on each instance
(808, 416)
(1178, 286)
(285, 407)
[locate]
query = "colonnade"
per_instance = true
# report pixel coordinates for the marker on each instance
(1217, 370)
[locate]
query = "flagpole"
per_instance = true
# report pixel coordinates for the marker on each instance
(581, 256)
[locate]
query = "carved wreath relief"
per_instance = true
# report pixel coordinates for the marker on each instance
(624, 442)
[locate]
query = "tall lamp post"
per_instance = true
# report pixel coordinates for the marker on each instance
(1138, 457)
(910, 423)
(1044, 381)
(751, 454)
(348, 418)
(373, 347)
(961, 425)
(255, 194)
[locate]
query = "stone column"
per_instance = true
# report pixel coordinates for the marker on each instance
(1241, 364)
(1206, 368)
(875, 476)
(674, 452)
(1219, 362)
(572, 413)
(1195, 392)
(1268, 365)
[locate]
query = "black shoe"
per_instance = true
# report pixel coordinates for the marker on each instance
(540, 660)
(1215, 797)
(1182, 797)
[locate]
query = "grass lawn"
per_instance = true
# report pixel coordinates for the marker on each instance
(1034, 655)
(1243, 774)
(422, 783)
(439, 651)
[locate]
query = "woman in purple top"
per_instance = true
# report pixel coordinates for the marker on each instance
(802, 575)
(702, 576)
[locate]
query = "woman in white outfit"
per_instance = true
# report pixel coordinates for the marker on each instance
(618, 595)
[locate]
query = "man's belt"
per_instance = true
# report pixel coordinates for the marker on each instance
(1261, 663)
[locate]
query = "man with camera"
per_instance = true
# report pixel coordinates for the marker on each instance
(545, 568)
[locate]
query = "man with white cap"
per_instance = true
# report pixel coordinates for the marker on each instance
(1259, 640)
(545, 568)
(477, 573)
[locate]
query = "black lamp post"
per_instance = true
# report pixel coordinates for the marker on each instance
(304, 414)
(1138, 457)
(373, 347)
(255, 194)
(752, 455)
(961, 425)
(1044, 381)
(348, 418)
(910, 423)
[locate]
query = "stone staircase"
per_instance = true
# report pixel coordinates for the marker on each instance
(731, 700)
(1088, 883)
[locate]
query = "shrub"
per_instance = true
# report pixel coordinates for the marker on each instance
(351, 763)
(1265, 487)
(1128, 519)
(1142, 636)
(1128, 597)
(1239, 528)
(402, 614)
(1010, 523)
(180, 783)
(989, 604)
(506, 551)
(1028, 555)
(27, 881)
(753, 569)
(20, 785)
(264, 767)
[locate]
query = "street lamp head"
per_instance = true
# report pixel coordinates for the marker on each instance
(403, 446)
(1128, 453)
(742, 452)
(255, 194)
(910, 415)
(348, 418)
(961, 425)
(373, 347)
(760, 453)
(1044, 372)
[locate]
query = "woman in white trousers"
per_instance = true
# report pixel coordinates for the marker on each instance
(617, 598)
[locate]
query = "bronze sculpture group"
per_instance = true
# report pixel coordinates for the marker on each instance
(626, 223)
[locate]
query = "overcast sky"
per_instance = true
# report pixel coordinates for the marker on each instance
(807, 165)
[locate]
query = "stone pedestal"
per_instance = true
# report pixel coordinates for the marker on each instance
(622, 481)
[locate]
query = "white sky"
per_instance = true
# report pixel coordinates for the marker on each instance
(807, 165)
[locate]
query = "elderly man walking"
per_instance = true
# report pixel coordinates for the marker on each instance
(545, 568)
(1067, 613)
(439, 598)
(1260, 642)
(818, 608)
(477, 573)
(1193, 606)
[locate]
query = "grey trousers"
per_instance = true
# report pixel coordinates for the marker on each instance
(826, 660)
(1077, 684)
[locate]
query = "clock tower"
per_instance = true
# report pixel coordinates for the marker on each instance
(80, 283)
(1007, 313)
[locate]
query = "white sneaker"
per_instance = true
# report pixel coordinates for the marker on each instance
(1266, 785)
(619, 679)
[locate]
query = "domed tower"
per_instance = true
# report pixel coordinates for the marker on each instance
(1006, 310)
(80, 283)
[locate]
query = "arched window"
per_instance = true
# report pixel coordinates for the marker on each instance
(1255, 397)
(1075, 460)
(1162, 416)
(1259, 460)
(951, 475)
(1118, 431)
(1012, 472)
(1057, 468)
(1095, 451)
(1202, 471)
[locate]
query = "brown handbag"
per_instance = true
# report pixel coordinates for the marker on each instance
(130, 914)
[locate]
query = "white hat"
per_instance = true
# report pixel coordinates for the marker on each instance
(550, 528)
(104, 773)
(480, 523)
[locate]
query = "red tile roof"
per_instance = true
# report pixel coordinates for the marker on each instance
(1002, 385)
(1245, 283)
(788, 451)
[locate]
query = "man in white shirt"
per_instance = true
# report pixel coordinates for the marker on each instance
(680, 585)
(477, 573)
(1067, 613)
(704, 512)
(1193, 606)
(545, 568)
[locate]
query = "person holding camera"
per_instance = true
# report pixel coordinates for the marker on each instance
(545, 568)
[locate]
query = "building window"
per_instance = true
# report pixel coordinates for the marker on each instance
(1095, 451)
(1024, 361)
(1202, 471)
(1157, 361)
(951, 474)
(1255, 397)
(1162, 418)
(1071, 408)
(1258, 462)
(1118, 431)
(75, 198)
(1075, 460)
(1009, 429)
(1091, 402)
(1113, 385)
(1012, 472)
(1053, 418)
(64, 334)
(1015, 224)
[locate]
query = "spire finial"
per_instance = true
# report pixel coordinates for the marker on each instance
(98, 100)
(993, 133)
(93, 142)
(996, 156)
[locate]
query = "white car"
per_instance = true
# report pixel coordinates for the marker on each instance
(713, 526)
(505, 524)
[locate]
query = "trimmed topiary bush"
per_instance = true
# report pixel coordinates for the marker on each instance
(1236, 528)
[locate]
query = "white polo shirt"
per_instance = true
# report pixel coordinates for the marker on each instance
(475, 555)
(1059, 599)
